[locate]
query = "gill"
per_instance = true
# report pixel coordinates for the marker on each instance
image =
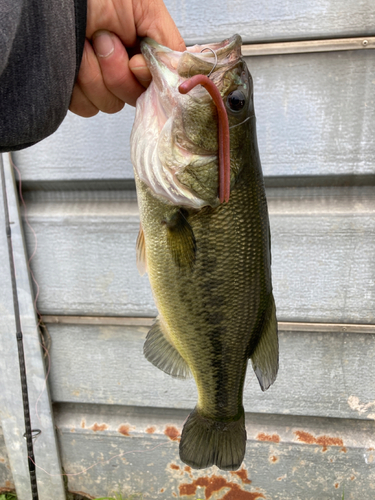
(223, 125)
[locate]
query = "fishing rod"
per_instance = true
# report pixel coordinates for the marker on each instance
(21, 355)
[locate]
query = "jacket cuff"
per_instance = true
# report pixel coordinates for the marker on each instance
(80, 10)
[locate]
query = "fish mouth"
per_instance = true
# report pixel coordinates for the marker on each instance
(170, 68)
(177, 161)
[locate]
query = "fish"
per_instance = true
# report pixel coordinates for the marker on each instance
(207, 255)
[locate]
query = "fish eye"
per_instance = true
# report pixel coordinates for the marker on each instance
(236, 100)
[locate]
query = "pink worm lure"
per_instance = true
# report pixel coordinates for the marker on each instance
(223, 132)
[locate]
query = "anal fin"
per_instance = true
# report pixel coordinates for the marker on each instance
(159, 351)
(265, 359)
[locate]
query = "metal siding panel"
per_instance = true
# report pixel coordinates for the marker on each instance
(85, 261)
(262, 21)
(82, 149)
(315, 113)
(315, 116)
(322, 255)
(127, 450)
(318, 374)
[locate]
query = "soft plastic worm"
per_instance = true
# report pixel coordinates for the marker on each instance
(223, 133)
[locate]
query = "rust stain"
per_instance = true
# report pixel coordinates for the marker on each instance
(274, 438)
(352, 478)
(329, 441)
(343, 449)
(174, 494)
(83, 424)
(9, 488)
(305, 437)
(237, 494)
(281, 478)
(172, 432)
(188, 470)
(98, 427)
(2, 460)
(162, 490)
(174, 467)
(370, 449)
(72, 429)
(216, 483)
(242, 474)
(274, 459)
(324, 441)
(336, 485)
(125, 429)
(188, 489)
(151, 429)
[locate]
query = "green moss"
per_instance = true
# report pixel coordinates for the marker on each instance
(8, 496)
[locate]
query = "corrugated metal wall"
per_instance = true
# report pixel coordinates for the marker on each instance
(312, 434)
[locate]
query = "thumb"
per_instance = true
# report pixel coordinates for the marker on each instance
(114, 66)
(138, 67)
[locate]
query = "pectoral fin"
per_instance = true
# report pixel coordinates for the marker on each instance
(265, 358)
(141, 252)
(159, 351)
(181, 239)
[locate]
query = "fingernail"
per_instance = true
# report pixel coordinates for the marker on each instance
(103, 44)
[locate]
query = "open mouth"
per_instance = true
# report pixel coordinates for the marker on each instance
(197, 59)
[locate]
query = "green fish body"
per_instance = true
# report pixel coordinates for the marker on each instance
(209, 263)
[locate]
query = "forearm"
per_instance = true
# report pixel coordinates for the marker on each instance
(41, 46)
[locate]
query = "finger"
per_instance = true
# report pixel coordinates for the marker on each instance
(153, 19)
(91, 80)
(80, 105)
(114, 65)
(137, 65)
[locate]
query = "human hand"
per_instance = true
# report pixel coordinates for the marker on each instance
(108, 76)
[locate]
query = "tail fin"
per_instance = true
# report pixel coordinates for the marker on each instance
(205, 442)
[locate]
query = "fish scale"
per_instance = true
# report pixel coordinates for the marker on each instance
(209, 270)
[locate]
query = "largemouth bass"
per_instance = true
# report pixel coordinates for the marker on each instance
(209, 262)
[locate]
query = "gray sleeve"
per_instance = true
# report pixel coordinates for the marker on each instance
(41, 43)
